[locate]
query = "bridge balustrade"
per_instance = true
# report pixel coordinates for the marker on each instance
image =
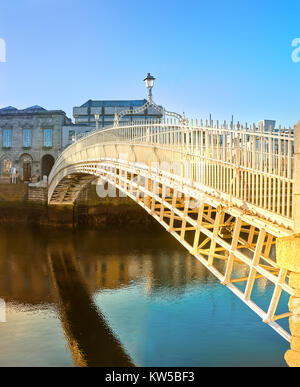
(250, 166)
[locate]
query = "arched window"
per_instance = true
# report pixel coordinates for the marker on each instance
(47, 164)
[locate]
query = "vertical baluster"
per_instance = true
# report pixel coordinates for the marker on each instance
(265, 179)
(218, 175)
(206, 152)
(270, 139)
(289, 174)
(231, 182)
(242, 169)
(261, 168)
(212, 155)
(274, 170)
(253, 180)
(238, 159)
(284, 174)
(279, 170)
(202, 171)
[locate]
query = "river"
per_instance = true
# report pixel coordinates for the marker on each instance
(123, 298)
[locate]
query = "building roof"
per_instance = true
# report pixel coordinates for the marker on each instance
(36, 109)
(8, 108)
(125, 103)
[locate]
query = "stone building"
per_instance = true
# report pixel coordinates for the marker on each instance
(30, 140)
(85, 114)
(266, 125)
(71, 131)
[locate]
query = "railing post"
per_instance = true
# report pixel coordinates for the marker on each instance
(296, 178)
(288, 257)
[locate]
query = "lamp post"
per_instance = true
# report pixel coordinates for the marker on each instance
(149, 81)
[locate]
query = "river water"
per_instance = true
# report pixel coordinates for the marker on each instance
(121, 297)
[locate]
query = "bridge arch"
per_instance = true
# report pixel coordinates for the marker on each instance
(201, 189)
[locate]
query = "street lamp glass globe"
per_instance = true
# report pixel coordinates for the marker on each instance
(149, 81)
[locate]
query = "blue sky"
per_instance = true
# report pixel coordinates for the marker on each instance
(219, 57)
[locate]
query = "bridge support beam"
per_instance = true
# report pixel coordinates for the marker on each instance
(288, 257)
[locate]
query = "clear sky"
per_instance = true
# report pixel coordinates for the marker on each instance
(219, 57)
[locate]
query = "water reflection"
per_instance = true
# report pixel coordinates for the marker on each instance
(24, 269)
(91, 341)
(120, 298)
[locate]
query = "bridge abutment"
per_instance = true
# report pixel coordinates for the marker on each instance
(288, 253)
(288, 257)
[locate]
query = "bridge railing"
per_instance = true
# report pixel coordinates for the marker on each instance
(247, 163)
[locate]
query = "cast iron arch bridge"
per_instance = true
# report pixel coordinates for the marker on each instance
(225, 193)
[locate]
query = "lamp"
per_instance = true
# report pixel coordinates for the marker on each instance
(149, 81)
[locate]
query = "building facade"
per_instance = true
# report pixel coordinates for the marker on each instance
(266, 125)
(30, 140)
(85, 114)
(71, 131)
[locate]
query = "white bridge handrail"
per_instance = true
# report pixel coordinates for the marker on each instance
(247, 163)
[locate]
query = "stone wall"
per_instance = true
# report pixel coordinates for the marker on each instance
(37, 194)
(100, 212)
(21, 203)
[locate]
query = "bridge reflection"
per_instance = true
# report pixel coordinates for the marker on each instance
(90, 339)
(43, 269)
(24, 270)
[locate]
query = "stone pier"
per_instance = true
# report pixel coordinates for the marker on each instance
(288, 257)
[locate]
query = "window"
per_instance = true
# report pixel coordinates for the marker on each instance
(7, 138)
(48, 138)
(27, 138)
(71, 135)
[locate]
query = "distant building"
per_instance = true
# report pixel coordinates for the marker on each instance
(85, 120)
(71, 131)
(265, 125)
(30, 140)
(85, 114)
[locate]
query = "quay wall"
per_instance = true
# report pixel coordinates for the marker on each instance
(20, 203)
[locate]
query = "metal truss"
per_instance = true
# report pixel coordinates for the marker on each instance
(149, 103)
(232, 245)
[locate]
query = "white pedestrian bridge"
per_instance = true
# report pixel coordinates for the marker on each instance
(225, 193)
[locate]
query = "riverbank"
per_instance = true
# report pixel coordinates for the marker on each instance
(23, 204)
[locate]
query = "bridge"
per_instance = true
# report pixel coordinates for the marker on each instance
(229, 194)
